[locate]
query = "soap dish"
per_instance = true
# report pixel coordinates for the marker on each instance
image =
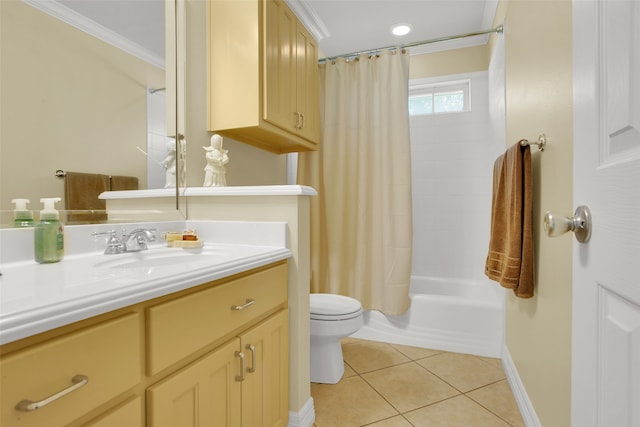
(185, 243)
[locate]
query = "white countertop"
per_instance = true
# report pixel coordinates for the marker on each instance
(249, 190)
(38, 297)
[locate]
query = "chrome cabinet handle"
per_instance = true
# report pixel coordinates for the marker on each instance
(241, 356)
(248, 303)
(301, 121)
(29, 405)
(252, 349)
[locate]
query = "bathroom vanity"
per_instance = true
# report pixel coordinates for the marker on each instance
(148, 338)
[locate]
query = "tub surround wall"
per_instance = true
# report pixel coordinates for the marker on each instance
(452, 158)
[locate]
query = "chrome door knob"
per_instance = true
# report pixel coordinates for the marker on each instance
(556, 225)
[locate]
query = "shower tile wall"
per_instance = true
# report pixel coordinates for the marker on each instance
(452, 165)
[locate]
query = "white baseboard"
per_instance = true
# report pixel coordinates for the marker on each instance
(305, 417)
(527, 410)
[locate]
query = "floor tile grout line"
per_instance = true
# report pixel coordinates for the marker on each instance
(410, 359)
(456, 388)
(377, 392)
(460, 392)
(488, 409)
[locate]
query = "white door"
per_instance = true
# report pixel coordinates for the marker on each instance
(606, 270)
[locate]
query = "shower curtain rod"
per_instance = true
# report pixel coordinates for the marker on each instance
(499, 30)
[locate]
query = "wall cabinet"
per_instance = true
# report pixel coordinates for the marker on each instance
(215, 355)
(262, 75)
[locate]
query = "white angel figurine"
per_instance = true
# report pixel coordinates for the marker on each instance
(217, 158)
(169, 164)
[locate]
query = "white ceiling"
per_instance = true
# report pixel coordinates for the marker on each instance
(339, 26)
(140, 21)
(346, 26)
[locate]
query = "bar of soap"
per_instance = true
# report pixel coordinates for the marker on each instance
(185, 243)
(172, 235)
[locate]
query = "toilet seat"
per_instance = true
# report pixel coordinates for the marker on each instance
(331, 307)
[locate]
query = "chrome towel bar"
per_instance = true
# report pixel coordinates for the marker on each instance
(541, 142)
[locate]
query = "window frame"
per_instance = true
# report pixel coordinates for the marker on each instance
(434, 89)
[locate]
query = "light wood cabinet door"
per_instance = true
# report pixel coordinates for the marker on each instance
(291, 58)
(280, 61)
(265, 398)
(307, 87)
(215, 392)
(204, 394)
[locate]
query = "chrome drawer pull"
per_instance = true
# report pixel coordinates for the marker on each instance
(252, 349)
(248, 303)
(29, 405)
(241, 356)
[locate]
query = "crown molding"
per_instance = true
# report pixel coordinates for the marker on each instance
(89, 26)
(305, 13)
(449, 45)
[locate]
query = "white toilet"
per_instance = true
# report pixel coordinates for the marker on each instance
(333, 317)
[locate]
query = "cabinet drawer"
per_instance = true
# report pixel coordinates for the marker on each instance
(178, 328)
(129, 414)
(108, 354)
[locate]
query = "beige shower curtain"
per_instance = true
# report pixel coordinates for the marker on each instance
(361, 220)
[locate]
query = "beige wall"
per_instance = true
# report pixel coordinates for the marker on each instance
(538, 52)
(466, 60)
(70, 102)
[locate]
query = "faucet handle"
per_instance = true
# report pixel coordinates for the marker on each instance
(141, 236)
(148, 234)
(114, 246)
(111, 235)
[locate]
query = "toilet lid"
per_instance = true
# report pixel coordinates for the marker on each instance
(333, 307)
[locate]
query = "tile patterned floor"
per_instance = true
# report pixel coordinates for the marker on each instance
(389, 385)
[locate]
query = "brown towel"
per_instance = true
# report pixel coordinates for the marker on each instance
(81, 191)
(119, 183)
(510, 258)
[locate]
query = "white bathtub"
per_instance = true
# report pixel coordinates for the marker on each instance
(445, 314)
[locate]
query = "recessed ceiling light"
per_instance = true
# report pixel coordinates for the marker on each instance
(401, 29)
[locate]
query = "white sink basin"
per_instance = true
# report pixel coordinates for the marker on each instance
(163, 257)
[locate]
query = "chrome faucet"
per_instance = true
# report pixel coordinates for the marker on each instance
(134, 241)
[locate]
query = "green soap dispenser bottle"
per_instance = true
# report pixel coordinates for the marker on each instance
(22, 217)
(49, 233)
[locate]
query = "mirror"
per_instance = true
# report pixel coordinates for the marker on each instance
(84, 89)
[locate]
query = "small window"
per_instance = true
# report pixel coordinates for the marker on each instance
(445, 97)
